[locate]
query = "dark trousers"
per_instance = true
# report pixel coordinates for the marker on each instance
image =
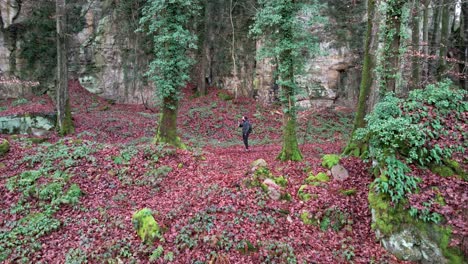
(245, 137)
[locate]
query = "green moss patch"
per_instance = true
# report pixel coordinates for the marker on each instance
(349, 192)
(330, 160)
(281, 181)
(443, 171)
(307, 219)
(303, 196)
(390, 219)
(225, 96)
(147, 228)
(321, 177)
(4, 147)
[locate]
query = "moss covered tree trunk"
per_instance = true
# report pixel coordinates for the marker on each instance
(205, 50)
(356, 148)
(425, 29)
(392, 50)
(64, 118)
(415, 64)
(290, 148)
(464, 49)
(435, 37)
(167, 129)
(444, 36)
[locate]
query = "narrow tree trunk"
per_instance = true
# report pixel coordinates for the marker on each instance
(416, 71)
(464, 50)
(64, 119)
(290, 148)
(425, 30)
(444, 36)
(233, 47)
(201, 84)
(167, 129)
(435, 37)
(354, 148)
(392, 52)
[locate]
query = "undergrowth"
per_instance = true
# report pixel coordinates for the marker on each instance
(423, 129)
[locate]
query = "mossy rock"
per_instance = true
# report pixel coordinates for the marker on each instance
(4, 147)
(330, 160)
(147, 228)
(307, 219)
(37, 140)
(349, 192)
(286, 196)
(443, 171)
(281, 181)
(455, 166)
(225, 96)
(260, 174)
(401, 234)
(260, 163)
(321, 177)
(303, 196)
(334, 219)
(449, 168)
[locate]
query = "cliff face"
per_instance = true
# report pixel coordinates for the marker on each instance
(109, 58)
(104, 52)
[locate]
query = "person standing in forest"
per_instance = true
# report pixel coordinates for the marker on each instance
(246, 130)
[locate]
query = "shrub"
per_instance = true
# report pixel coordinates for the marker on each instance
(424, 129)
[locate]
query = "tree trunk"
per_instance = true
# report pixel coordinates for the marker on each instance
(416, 71)
(64, 119)
(435, 38)
(201, 84)
(233, 48)
(392, 52)
(290, 148)
(464, 50)
(444, 36)
(425, 30)
(167, 129)
(354, 148)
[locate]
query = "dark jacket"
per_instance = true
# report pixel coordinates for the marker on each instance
(246, 127)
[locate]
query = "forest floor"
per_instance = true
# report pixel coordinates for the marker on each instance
(71, 199)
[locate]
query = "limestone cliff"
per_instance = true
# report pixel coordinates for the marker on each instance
(109, 58)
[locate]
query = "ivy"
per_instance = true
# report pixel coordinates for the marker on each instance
(168, 23)
(283, 26)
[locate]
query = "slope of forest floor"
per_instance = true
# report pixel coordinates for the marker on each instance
(200, 196)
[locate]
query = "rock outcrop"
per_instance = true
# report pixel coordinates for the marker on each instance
(27, 124)
(109, 58)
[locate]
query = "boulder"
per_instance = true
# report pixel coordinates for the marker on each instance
(37, 132)
(273, 189)
(260, 163)
(147, 228)
(9, 10)
(4, 147)
(409, 238)
(411, 245)
(339, 172)
(24, 124)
